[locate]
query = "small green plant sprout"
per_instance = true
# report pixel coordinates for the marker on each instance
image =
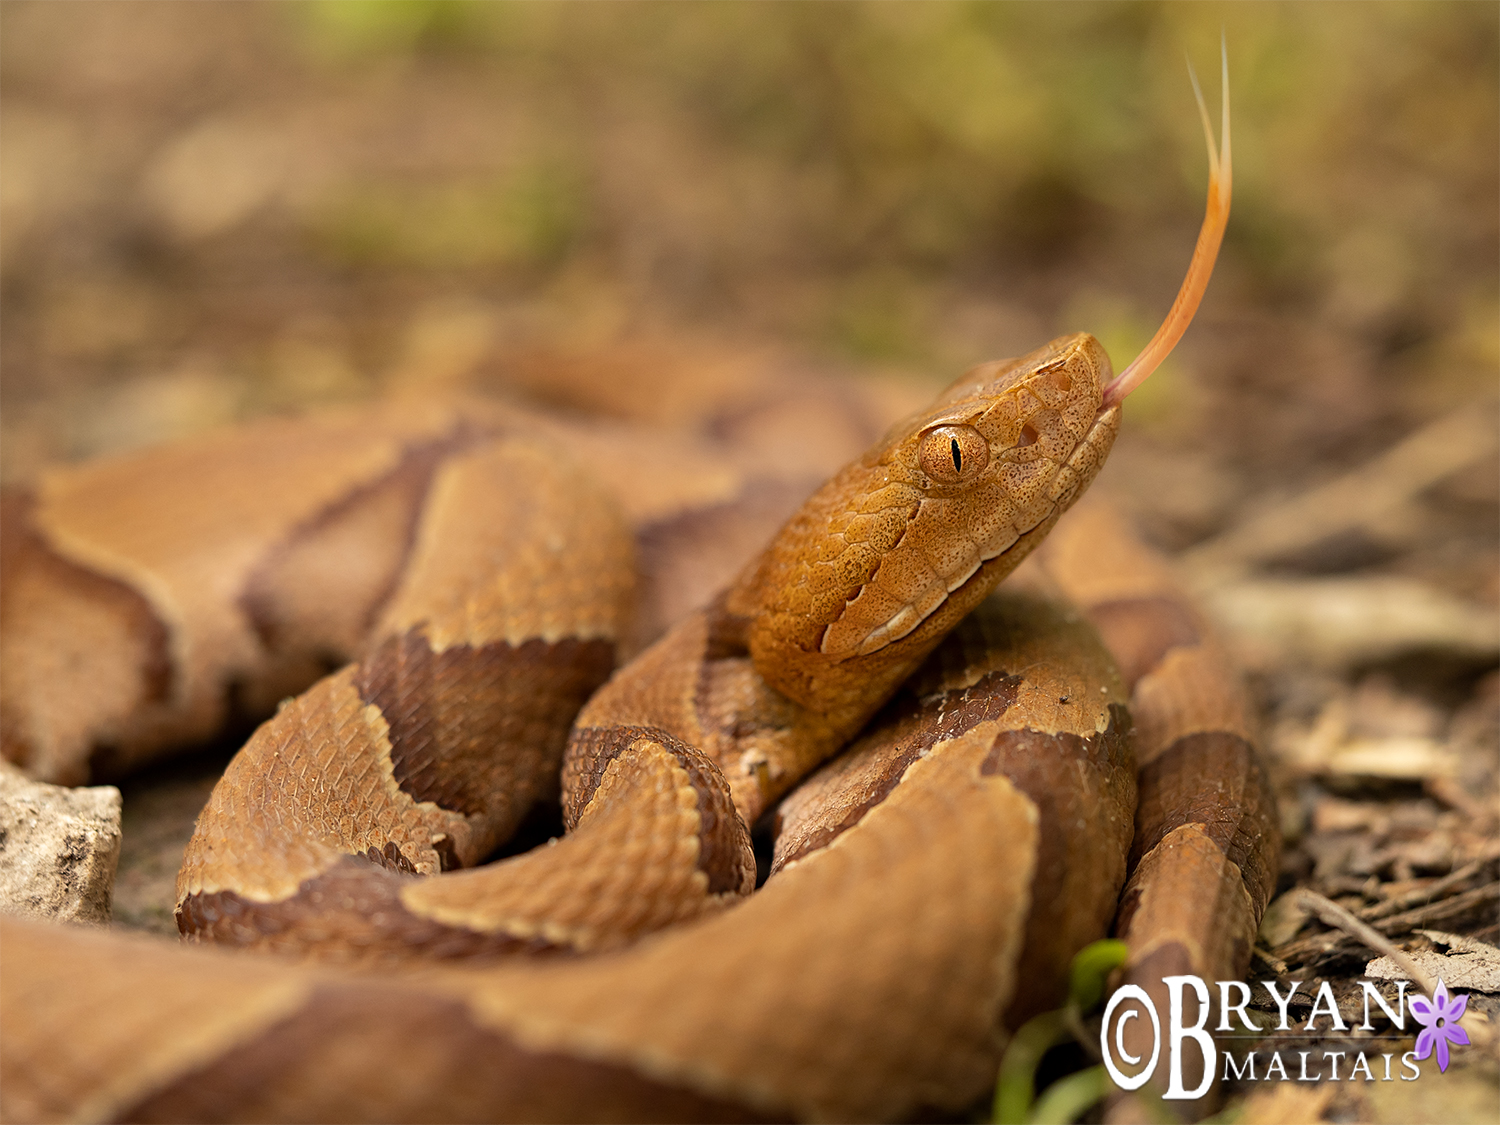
(1016, 1102)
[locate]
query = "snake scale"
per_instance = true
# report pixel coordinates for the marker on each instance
(1014, 786)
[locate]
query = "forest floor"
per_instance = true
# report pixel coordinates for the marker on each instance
(212, 213)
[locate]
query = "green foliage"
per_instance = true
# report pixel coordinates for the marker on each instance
(526, 219)
(949, 140)
(347, 30)
(1015, 1091)
(1090, 972)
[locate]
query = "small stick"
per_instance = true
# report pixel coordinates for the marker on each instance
(1397, 903)
(1362, 498)
(1340, 919)
(1444, 910)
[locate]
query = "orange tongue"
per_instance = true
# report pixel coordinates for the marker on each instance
(1201, 268)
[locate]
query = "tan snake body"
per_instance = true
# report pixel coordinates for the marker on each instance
(928, 888)
(904, 922)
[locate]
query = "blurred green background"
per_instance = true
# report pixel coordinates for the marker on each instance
(211, 211)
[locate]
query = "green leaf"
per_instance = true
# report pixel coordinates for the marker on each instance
(1067, 1098)
(1091, 968)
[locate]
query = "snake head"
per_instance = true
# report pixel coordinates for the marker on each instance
(887, 556)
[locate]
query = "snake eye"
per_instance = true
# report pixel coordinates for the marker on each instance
(953, 454)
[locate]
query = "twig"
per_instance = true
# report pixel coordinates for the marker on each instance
(1398, 903)
(1444, 910)
(1452, 794)
(1358, 499)
(1336, 916)
(1276, 963)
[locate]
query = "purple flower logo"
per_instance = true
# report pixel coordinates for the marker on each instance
(1439, 1019)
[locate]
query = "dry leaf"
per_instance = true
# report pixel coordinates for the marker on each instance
(1470, 966)
(1283, 919)
(1336, 622)
(1335, 745)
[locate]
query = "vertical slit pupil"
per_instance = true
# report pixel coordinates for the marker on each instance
(958, 458)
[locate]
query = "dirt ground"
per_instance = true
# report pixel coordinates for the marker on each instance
(214, 212)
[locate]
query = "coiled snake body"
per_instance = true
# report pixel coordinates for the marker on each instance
(928, 888)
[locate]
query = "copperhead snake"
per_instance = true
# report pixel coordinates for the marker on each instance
(1018, 789)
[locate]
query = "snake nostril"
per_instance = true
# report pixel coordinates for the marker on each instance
(1062, 380)
(1028, 435)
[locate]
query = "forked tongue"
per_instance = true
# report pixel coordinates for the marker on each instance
(1201, 268)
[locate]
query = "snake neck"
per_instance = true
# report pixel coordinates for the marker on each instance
(869, 576)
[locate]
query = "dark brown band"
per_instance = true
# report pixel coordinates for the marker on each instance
(422, 1058)
(722, 835)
